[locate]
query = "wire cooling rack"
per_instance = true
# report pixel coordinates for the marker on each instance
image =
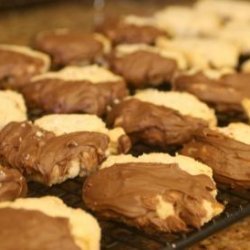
(117, 236)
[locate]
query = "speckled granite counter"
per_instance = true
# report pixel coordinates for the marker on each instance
(236, 237)
(18, 26)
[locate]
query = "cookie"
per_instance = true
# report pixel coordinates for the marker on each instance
(91, 89)
(142, 65)
(153, 192)
(67, 47)
(131, 29)
(180, 21)
(12, 107)
(12, 184)
(245, 67)
(66, 124)
(246, 106)
(237, 32)
(154, 124)
(223, 91)
(229, 148)
(18, 64)
(203, 53)
(184, 103)
(43, 156)
(225, 9)
(47, 222)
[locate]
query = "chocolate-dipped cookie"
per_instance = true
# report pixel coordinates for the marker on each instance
(46, 223)
(142, 65)
(226, 151)
(224, 92)
(43, 156)
(131, 29)
(160, 119)
(67, 47)
(12, 184)
(18, 64)
(90, 89)
(56, 148)
(66, 124)
(153, 192)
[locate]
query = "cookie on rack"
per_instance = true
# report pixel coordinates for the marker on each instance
(47, 222)
(131, 29)
(67, 47)
(245, 67)
(12, 107)
(56, 148)
(237, 32)
(154, 192)
(225, 9)
(12, 184)
(66, 124)
(223, 91)
(226, 151)
(91, 89)
(203, 53)
(181, 21)
(142, 65)
(161, 119)
(18, 64)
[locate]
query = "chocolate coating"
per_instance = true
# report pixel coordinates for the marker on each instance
(229, 159)
(153, 125)
(224, 94)
(34, 230)
(128, 192)
(120, 32)
(16, 69)
(12, 184)
(143, 68)
(70, 47)
(47, 158)
(59, 96)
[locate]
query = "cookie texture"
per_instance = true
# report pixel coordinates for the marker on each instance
(131, 29)
(203, 53)
(119, 142)
(153, 125)
(47, 222)
(90, 90)
(153, 192)
(126, 49)
(237, 32)
(44, 157)
(67, 47)
(12, 107)
(12, 184)
(182, 102)
(186, 26)
(246, 66)
(229, 147)
(142, 66)
(18, 64)
(224, 93)
(226, 9)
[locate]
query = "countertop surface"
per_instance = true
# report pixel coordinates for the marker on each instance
(18, 26)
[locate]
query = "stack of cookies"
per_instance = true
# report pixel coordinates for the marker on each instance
(136, 108)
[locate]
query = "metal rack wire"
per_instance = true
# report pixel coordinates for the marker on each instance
(117, 236)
